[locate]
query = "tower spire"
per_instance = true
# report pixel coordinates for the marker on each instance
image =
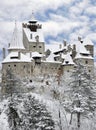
(33, 20)
(16, 42)
(33, 15)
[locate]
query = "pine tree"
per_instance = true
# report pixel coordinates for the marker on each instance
(31, 116)
(82, 93)
(36, 116)
(13, 118)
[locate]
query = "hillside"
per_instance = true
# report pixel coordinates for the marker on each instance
(51, 98)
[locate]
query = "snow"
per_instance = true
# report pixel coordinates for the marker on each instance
(78, 109)
(50, 58)
(63, 56)
(12, 55)
(87, 41)
(16, 42)
(53, 105)
(3, 122)
(80, 47)
(68, 59)
(34, 34)
(3, 117)
(36, 54)
(61, 49)
(79, 56)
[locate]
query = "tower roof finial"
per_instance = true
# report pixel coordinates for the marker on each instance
(32, 14)
(16, 42)
(33, 18)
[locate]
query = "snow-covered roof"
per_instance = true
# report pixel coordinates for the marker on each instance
(39, 33)
(14, 57)
(36, 54)
(68, 60)
(16, 42)
(80, 47)
(87, 41)
(79, 56)
(63, 56)
(50, 58)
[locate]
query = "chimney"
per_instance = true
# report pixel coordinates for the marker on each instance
(69, 47)
(79, 38)
(60, 46)
(19, 54)
(64, 42)
(74, 47)
(4, 51)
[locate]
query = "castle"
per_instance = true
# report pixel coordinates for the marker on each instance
(30, 56)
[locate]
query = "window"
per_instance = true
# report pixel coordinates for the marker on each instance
(30, 36)
(8, 65)
(81, 41)
(30, 80)
(66, 62)
(86, 62)
(14, 57)
(34, 46)
(39, 46)
(89, 70)
(14, 65)
(24, 66)
(67, 70)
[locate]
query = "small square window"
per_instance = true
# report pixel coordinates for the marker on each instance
(14, 65)
(66, 62)
(86, 62)
(30, 80)
(30, 36)
(81, 41)
(89, 70)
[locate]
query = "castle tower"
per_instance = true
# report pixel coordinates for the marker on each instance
(16, 42)
(33, 39)
(89, 46)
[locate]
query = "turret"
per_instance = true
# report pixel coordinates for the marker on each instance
(33, 38)
(89, 46)
(16, 43)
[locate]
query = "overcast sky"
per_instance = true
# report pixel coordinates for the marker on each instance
(61, 19)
